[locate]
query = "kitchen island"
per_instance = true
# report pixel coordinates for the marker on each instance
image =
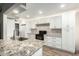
(23, 48)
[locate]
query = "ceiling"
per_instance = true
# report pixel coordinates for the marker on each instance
(46, 8)
(15, 10)
(5, 6)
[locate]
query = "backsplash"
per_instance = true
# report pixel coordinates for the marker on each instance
(55, 32)
(50, 32)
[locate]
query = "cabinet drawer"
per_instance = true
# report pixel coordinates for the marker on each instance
(53, 40)
(49, 39)
(53, 45)
(57, 45)
(56, 41)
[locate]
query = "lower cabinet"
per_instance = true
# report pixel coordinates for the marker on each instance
(53, 42)
(38, 53)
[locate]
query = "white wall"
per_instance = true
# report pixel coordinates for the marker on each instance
(77, 31)
(4, 26)
(8, 27)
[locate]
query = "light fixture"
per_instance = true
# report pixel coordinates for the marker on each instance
(27, 16)
(40, 12)
(16, 11)
(62, 5)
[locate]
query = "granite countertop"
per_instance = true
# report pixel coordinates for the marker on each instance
(1, 47)
(25, 51)
(22, 48)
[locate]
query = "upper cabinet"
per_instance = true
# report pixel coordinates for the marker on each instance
(43, 20)
(56, 22)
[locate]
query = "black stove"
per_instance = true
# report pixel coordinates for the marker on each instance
(41, 34)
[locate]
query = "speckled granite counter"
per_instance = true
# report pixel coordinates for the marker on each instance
(22, 48)
(1, 47)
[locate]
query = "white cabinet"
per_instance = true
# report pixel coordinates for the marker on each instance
(43, 20)
(53, 42)
(68, 31)
(10, 28)
(38, 53)
(22, 30)
(67, 23)
(28, 27)
(33, 24)
(56, 22)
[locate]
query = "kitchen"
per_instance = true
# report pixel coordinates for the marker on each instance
(54, 29)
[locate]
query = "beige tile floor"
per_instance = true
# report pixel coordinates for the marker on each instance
(48, 51)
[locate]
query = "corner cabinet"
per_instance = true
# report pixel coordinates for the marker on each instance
(56, 22)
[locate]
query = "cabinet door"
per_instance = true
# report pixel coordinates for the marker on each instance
(56, 46)
(48, 39)
(52, 23)
(53, 42)
(28, 27)
(57, 41)
(68, 31)
(56, 22)
(38, 52)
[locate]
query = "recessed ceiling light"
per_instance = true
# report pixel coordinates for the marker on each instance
(27, 16)
(62, 5)
(40, 12)
(16, 11)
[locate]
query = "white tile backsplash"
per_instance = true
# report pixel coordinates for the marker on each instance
(50, 32)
